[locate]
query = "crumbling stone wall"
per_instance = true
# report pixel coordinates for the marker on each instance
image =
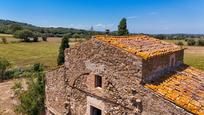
(55, 91)
(121, 92)
(161, 65)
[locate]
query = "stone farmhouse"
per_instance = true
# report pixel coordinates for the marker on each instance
(124, 75)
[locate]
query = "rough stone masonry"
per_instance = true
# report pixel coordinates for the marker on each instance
(99, 78)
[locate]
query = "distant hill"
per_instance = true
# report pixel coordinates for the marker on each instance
(10, 27)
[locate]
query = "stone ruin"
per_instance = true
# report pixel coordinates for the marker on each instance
(114, 75)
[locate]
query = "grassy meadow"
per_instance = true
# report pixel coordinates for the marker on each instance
(193, 56)
(22, 54)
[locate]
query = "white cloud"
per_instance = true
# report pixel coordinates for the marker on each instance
(133, 17)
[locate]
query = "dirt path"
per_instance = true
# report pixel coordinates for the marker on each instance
(7, 100)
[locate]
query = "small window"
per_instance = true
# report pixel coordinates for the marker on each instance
(95, 111)
(172, 62)
(98, 81)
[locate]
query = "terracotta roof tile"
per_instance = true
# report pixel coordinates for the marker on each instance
(184, 87)
(141, 45)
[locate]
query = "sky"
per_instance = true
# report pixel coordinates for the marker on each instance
(143, 16)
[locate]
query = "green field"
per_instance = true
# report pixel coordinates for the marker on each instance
(194, 55)
(24, 54)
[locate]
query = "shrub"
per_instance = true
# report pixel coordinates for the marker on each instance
(191, 42)
(17, 88)
(44, 38)
(201, 42)
(37, 67)
(15, 73)
(32, 100)
(4, 64)
(180, 43)
(4, 40)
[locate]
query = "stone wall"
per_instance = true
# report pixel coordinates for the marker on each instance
(55, 91)
(121, 92)
(161, 65)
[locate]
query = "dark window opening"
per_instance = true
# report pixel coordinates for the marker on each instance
(95, 111)
(98, 81)
(172, 62)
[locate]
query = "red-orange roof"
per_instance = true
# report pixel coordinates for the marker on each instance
(185, 88)
(142, 45)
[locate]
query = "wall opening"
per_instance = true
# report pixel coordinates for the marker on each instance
(98, 81)
(95, 111)
(172, 61)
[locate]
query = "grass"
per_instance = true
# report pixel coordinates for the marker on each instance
(6, 35)
(24, 54)
(193, 56)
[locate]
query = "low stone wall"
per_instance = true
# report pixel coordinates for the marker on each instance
(55, 91)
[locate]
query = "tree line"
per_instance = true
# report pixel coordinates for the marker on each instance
(11, 27)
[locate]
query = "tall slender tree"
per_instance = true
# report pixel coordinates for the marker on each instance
(63, 46)
(122, 28)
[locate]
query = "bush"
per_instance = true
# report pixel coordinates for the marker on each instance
(15, 73)
(32, 100)
(4, 40)
(201, 42)
(180, 43)
(44, 38)
(191, 42)
(4, 64)
(37, 67)
(17, 88)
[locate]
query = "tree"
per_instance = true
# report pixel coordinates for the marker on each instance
(44, 37)
(201, 42)
(122, 28)
(4, 64)
(191, 42)
(107, 31)
(15, 27)
(26, 35)
(63, 46)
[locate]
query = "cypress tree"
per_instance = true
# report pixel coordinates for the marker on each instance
(122, 28)
(63, 46)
